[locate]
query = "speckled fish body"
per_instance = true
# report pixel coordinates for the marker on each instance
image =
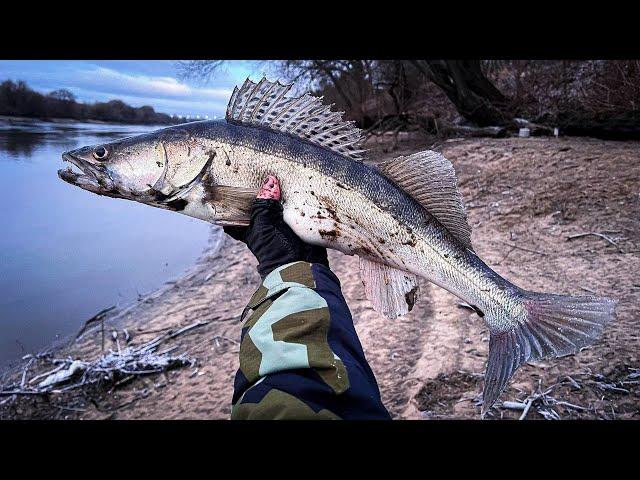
(350, 206)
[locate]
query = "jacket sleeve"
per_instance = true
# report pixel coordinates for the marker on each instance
(300, 357)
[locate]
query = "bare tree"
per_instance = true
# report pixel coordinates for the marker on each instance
(199, 69)
(596, 98)
(350, 82)
(355, 82)
(63, 94)
(472, 93)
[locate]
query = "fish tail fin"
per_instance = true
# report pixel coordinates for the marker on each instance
(553, 326)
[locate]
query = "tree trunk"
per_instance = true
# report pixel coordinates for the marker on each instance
(473, 95)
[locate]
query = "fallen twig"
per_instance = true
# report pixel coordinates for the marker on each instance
(187, 329)
(24, 373)
(595, 234)
(523, 248)
(543, 403)
(95, 319)
(514, 405)
(573, 383)
(527, 408)
(571, 405)
(46, 374)
(611, 387)
(549, 414)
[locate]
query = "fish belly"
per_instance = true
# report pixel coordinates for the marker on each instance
(334, 215)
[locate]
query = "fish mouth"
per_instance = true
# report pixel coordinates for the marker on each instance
(95, 178)
(91, 177)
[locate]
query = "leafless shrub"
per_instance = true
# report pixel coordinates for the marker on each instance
(550, 88)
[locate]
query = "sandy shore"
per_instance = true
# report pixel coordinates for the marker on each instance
(524, 198)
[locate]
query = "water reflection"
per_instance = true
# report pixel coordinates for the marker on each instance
(65, 253)
(18, 145)
(19, 139)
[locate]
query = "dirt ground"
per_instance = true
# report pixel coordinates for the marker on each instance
(524, 198)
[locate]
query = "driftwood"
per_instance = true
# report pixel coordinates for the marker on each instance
(112, 367)
(468, 131)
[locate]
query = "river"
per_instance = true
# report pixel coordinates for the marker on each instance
(65, 253)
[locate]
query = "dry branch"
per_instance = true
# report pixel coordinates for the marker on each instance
(524, 249)
(542, 402)
(596, 234)
(93, 320)
(113, 367)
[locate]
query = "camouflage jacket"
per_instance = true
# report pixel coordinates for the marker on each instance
(300, 357)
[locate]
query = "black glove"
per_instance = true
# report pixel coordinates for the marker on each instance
(272, 241)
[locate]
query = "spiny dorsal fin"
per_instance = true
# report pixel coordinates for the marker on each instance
(391, 291)
(265, 104)
(430, 179)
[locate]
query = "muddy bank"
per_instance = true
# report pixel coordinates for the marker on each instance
(525, 198)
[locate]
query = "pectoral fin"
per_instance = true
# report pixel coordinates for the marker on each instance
(392, 292)
(232, 204)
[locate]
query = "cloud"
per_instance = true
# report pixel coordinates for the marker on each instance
(188, 106)
(106, 80)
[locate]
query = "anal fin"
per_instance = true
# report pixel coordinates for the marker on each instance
(392, 292)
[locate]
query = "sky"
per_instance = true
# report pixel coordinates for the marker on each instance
(136, 82)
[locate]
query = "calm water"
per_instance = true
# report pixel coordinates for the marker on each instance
(65, 253)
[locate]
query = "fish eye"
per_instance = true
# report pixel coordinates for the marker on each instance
(100, 153)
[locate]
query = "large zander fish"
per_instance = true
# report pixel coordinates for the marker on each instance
(404, 219)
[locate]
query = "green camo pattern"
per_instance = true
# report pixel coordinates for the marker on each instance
(288, 329)
(279, 405)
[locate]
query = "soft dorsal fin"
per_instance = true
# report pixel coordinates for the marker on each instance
(392, 292)
(430, 179)
(266, 104)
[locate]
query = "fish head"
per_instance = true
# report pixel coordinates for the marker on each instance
(155, 168)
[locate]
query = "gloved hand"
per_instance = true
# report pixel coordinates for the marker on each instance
(270, 239)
